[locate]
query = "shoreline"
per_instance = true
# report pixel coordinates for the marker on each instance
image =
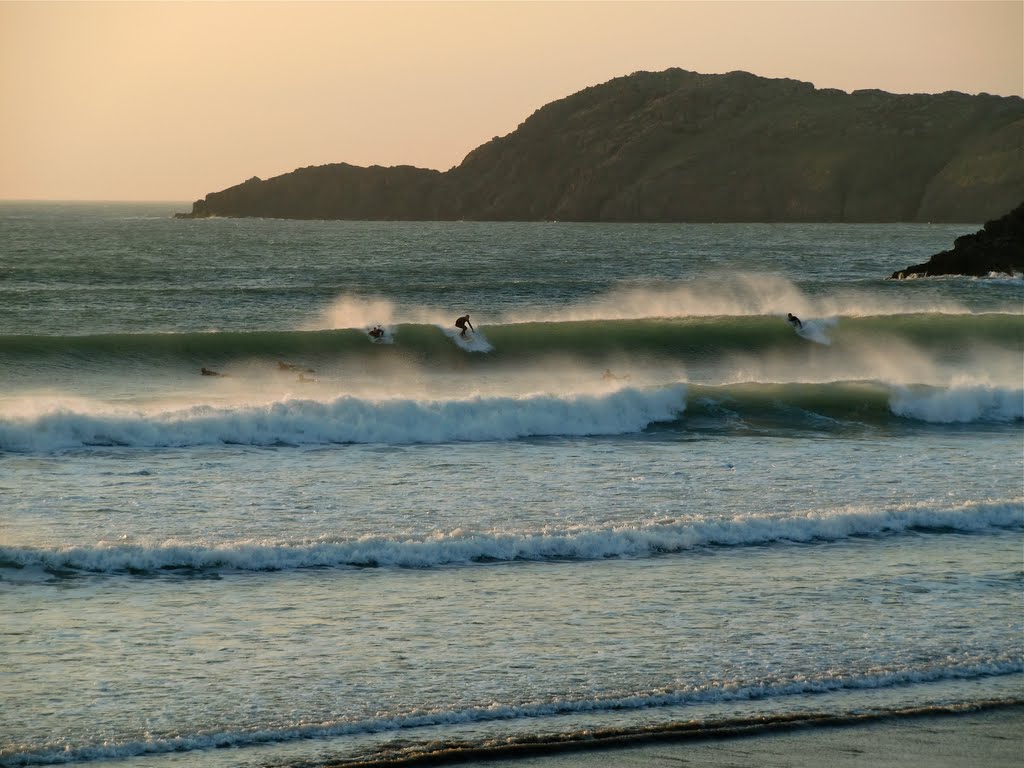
(989, 734)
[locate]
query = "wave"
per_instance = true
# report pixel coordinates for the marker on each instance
(460, 547)
(53, 423)
(963, 404)
(842, 404)
(684, 339)
(58, 751)
(347, 419)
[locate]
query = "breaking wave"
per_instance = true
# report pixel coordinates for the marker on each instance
(55, 424)
(462, 548)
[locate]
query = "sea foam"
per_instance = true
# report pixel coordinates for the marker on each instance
(959, 404)
(459, 547)
(348, 419)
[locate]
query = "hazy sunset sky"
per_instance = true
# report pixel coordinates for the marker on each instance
(172, 100)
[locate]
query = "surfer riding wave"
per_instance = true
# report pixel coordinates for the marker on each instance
(462, 322)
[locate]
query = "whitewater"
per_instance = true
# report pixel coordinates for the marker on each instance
(634, 500)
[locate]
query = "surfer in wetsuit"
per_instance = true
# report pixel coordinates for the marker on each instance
(208, 372)
(462, 322)
(794, 320)
(376, 332)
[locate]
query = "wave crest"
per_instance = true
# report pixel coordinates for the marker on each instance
(461, 547)
(349, 419)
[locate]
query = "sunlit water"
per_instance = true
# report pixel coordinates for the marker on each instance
(635, 496)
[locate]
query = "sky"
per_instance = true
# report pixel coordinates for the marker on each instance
(168, 101)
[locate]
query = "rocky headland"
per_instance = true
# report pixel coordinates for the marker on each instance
(677, 146)
(996, 248)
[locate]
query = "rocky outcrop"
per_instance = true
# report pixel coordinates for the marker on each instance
(998, 247)
(676, 146)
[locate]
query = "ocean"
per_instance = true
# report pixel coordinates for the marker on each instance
(634, 499)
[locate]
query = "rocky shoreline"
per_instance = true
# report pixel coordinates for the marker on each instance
(996, 248)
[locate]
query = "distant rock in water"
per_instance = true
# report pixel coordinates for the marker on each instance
(677, 146)
(999, 247)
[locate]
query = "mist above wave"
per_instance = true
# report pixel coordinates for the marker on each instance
(725, 294)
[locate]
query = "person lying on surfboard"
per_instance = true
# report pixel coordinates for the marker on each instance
(462, 322)
(794, 321)
(283, 366)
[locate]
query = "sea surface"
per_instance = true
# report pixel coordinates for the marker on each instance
(634, 499)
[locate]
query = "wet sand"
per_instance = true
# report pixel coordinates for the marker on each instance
(985, 739)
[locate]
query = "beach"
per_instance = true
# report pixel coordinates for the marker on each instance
(991, 738)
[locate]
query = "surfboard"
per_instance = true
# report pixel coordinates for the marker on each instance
(815, 330)
(385, 338)
(473, 341)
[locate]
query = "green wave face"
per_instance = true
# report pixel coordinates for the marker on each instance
(810, 405)
(683, 340)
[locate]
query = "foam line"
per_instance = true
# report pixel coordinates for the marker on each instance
(460, 547)
(758, 690)
(350, 420)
